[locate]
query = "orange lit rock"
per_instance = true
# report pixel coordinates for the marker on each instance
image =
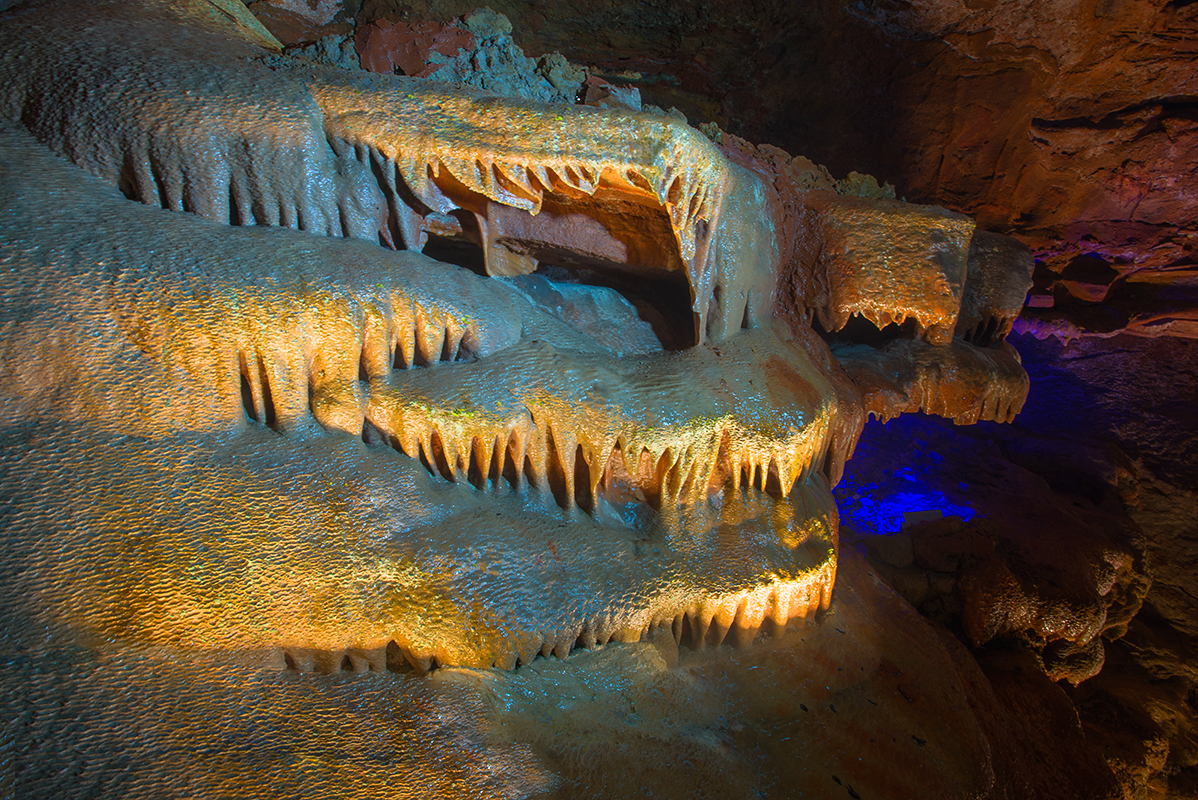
(884, 260)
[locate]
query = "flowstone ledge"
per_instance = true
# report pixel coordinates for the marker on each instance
(267, 439)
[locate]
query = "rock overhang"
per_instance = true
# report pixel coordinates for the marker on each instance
(258, 341)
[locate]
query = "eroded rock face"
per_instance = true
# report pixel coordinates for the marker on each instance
(960, 528)
(1129, 437)
(252, 427)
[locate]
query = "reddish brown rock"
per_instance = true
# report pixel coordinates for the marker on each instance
(403, 47)
(604, 94)
(1142, 719)
(291, 26)
(1036, 727)
(1148, 302)
(1067, 122)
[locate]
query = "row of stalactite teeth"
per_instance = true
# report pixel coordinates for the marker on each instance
(427, 340)
(999, 401)
(527, 451)
(988, 330)
(688, 200)
(399, 333)
(414, 337)
(542, 456)
(833, 321)
(734, 619)
(235, 196)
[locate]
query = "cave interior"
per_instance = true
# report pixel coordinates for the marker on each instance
(993, 594)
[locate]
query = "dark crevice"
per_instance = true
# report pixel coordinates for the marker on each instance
(687, 638)
(234, 210)
(555, 471)
(987, 336)
(495, 473)
(476, 474)
(371, 435)
(268, 402)
(664, 303)
(859, 330)
(828, 464)
(511, 468)
(582, 482)
(1182, 105)
(439, 456)
(458, 252)
(424, 460)
(773, 481)
(755, 478)
(258, 210)
(247, 394)
(395, 660)
(448, 351)
(160, 184)
(467, 347)
(126, 183)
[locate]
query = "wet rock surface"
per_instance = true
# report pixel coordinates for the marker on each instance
(1073, 128)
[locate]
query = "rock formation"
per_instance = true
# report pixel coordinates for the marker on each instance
(265, 454)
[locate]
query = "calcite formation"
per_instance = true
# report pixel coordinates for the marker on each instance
(247, 421)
